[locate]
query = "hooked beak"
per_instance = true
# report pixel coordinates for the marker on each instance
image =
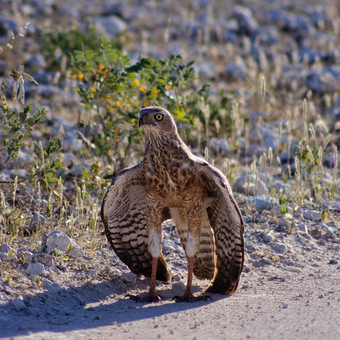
(141, 121)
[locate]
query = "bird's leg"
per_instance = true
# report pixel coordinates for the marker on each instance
(152, 291)
(151, 296)
(154, 225)
(192, 245)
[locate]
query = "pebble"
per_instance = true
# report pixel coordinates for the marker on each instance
(5, 248)
(60, 241)
(129, 277)
(279, 248)
(25, 256)
(45, 259)
(57, 240)
(265, 202)
(219, 145)
(18, 304)
(283, 222)
(250, 185)
(35, 269)
(54, 288)
(313, 215)
(110, 25)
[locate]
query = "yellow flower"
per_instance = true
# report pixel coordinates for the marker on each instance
(142, 89)
(118, 102)
(168, 87)
(93, 90)
(136, 81)
(155, 93)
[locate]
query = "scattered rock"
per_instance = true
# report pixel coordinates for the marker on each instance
(18, 304)
(313, 215)
(35, 269)
(283, 222)
(265, 202)
(250, 185)
(60, 241)
(110, 25)
(279, 248)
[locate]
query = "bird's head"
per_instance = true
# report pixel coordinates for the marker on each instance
(155, 119)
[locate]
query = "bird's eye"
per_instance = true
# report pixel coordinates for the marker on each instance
(159, 117)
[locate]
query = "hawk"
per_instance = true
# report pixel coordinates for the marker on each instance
(170, 182)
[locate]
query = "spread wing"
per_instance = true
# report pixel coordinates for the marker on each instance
(227, 224)
(123, 213)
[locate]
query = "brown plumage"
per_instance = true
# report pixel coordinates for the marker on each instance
(171, 182)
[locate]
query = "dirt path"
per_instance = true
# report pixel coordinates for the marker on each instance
(284, 304)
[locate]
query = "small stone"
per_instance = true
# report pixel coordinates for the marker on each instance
(128, 277)
(176, 278)
(250, 185)
(284, 305)
(265, 202)
(219, 145)
(329, 232)
(3, 256)
(77, 250)
(109, 26)
(267, 238)
(5, 248)
(35, 268)
(57, 240)
(283, 222)
(18, 304)
(271, 142)
(54, 288)
(25, 256)
(313, 215)
(279, 248)
(45, 259)
(60, 241)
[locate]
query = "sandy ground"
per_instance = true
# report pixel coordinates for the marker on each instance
(297, 297)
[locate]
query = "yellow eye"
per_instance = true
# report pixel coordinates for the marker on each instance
(159, 117)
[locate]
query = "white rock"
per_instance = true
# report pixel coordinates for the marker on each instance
(57, 240)
(35, 268)
(250, 185)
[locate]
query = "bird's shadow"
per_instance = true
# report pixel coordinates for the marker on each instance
(88, 306)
